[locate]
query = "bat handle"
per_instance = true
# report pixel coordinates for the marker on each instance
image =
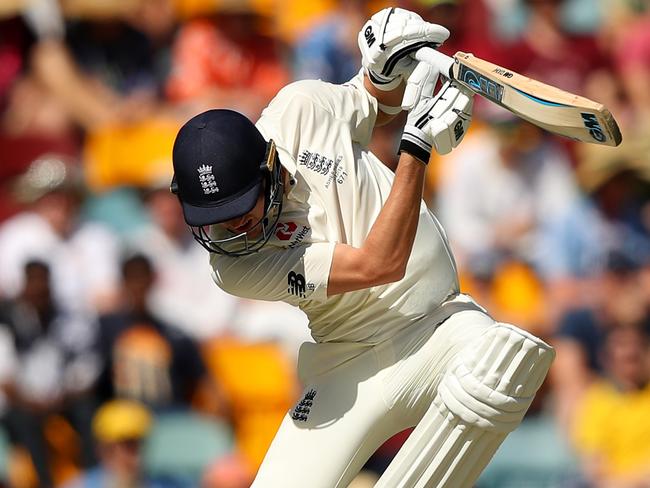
(435, 58)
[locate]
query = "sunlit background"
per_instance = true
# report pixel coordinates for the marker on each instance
(120, 359)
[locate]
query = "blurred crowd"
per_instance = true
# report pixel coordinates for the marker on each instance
(122, 364)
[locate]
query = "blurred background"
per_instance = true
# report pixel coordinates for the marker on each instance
(122, 364)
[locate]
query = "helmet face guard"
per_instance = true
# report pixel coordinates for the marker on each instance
(242, 244)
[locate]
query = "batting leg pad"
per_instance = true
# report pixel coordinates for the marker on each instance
(483, 396)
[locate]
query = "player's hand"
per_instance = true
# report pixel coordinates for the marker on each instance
(389, 38)
(439, 122)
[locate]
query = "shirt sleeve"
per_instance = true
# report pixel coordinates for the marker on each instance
(295, 276)
(310, 106)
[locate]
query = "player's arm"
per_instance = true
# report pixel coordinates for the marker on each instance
(439, 123)
(383, 256)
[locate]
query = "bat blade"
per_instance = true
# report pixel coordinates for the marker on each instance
(546, 106)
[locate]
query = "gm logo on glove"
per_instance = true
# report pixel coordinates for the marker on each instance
(369, 35)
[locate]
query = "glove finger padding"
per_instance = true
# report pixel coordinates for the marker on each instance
(463, 108)
(442, 139)
(387, 40)
(452, 114)
(421, 84)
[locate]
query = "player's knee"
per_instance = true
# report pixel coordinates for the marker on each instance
(492, 381)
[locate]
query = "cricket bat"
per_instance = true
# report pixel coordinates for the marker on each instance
(546, 106)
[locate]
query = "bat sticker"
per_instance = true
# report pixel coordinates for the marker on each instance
(503, 72)
(480, 84)
(594, 128)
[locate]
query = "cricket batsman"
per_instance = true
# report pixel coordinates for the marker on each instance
(296, 208)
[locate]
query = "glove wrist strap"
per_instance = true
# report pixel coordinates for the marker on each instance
(382, 83)
(415, 150)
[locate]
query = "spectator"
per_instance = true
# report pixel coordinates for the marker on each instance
(618, 300)
(501, 190)
(547, 52)
(105, 79)
(105, 70)
(329, 50)
(612, 426)
(120, 428)
(52, 370)
(176, 257)
(112, 52)
(628, 34)
(31, 122)
(470, 23)
(28, 108)
(144, 358)
(226, 61)
(608, 219)
(81, 255)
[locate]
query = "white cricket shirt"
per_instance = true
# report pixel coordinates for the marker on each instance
(321, 131)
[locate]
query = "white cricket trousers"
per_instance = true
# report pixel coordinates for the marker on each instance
(346, 412)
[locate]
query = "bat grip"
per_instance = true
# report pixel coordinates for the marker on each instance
(435, 58)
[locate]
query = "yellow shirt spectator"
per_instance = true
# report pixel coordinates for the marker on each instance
(612, 428)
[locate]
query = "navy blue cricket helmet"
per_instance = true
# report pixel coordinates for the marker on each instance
(221, 165)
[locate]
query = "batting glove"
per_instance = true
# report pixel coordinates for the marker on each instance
(389, 38)
(439, 122)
